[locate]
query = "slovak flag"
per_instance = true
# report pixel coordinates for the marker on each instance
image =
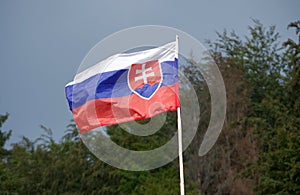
(125, 87)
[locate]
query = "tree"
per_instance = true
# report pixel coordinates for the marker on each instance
(4, 153)
(279, 162)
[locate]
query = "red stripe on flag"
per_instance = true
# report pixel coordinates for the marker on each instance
(109, 111)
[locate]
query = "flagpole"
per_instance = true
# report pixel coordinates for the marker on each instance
(179, 136)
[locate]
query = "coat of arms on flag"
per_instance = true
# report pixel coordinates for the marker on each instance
(145, 79)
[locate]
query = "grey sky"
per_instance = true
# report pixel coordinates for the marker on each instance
(44, 42)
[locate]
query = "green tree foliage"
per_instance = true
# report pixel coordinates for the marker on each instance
(46, 167)
(279, 162)
(5, 174)
(271, 74)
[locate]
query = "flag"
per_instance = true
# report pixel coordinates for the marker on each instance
(125, 87)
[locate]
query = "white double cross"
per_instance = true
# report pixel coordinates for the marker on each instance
(144, 75)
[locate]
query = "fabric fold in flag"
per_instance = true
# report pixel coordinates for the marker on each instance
(125, 87)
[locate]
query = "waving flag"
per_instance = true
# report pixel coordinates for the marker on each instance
(125, 87)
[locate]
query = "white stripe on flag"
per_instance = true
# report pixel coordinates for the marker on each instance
(125, 60)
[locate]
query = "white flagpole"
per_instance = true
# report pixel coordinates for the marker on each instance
(179, 136)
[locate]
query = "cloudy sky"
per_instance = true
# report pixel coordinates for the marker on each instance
(42, 43)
